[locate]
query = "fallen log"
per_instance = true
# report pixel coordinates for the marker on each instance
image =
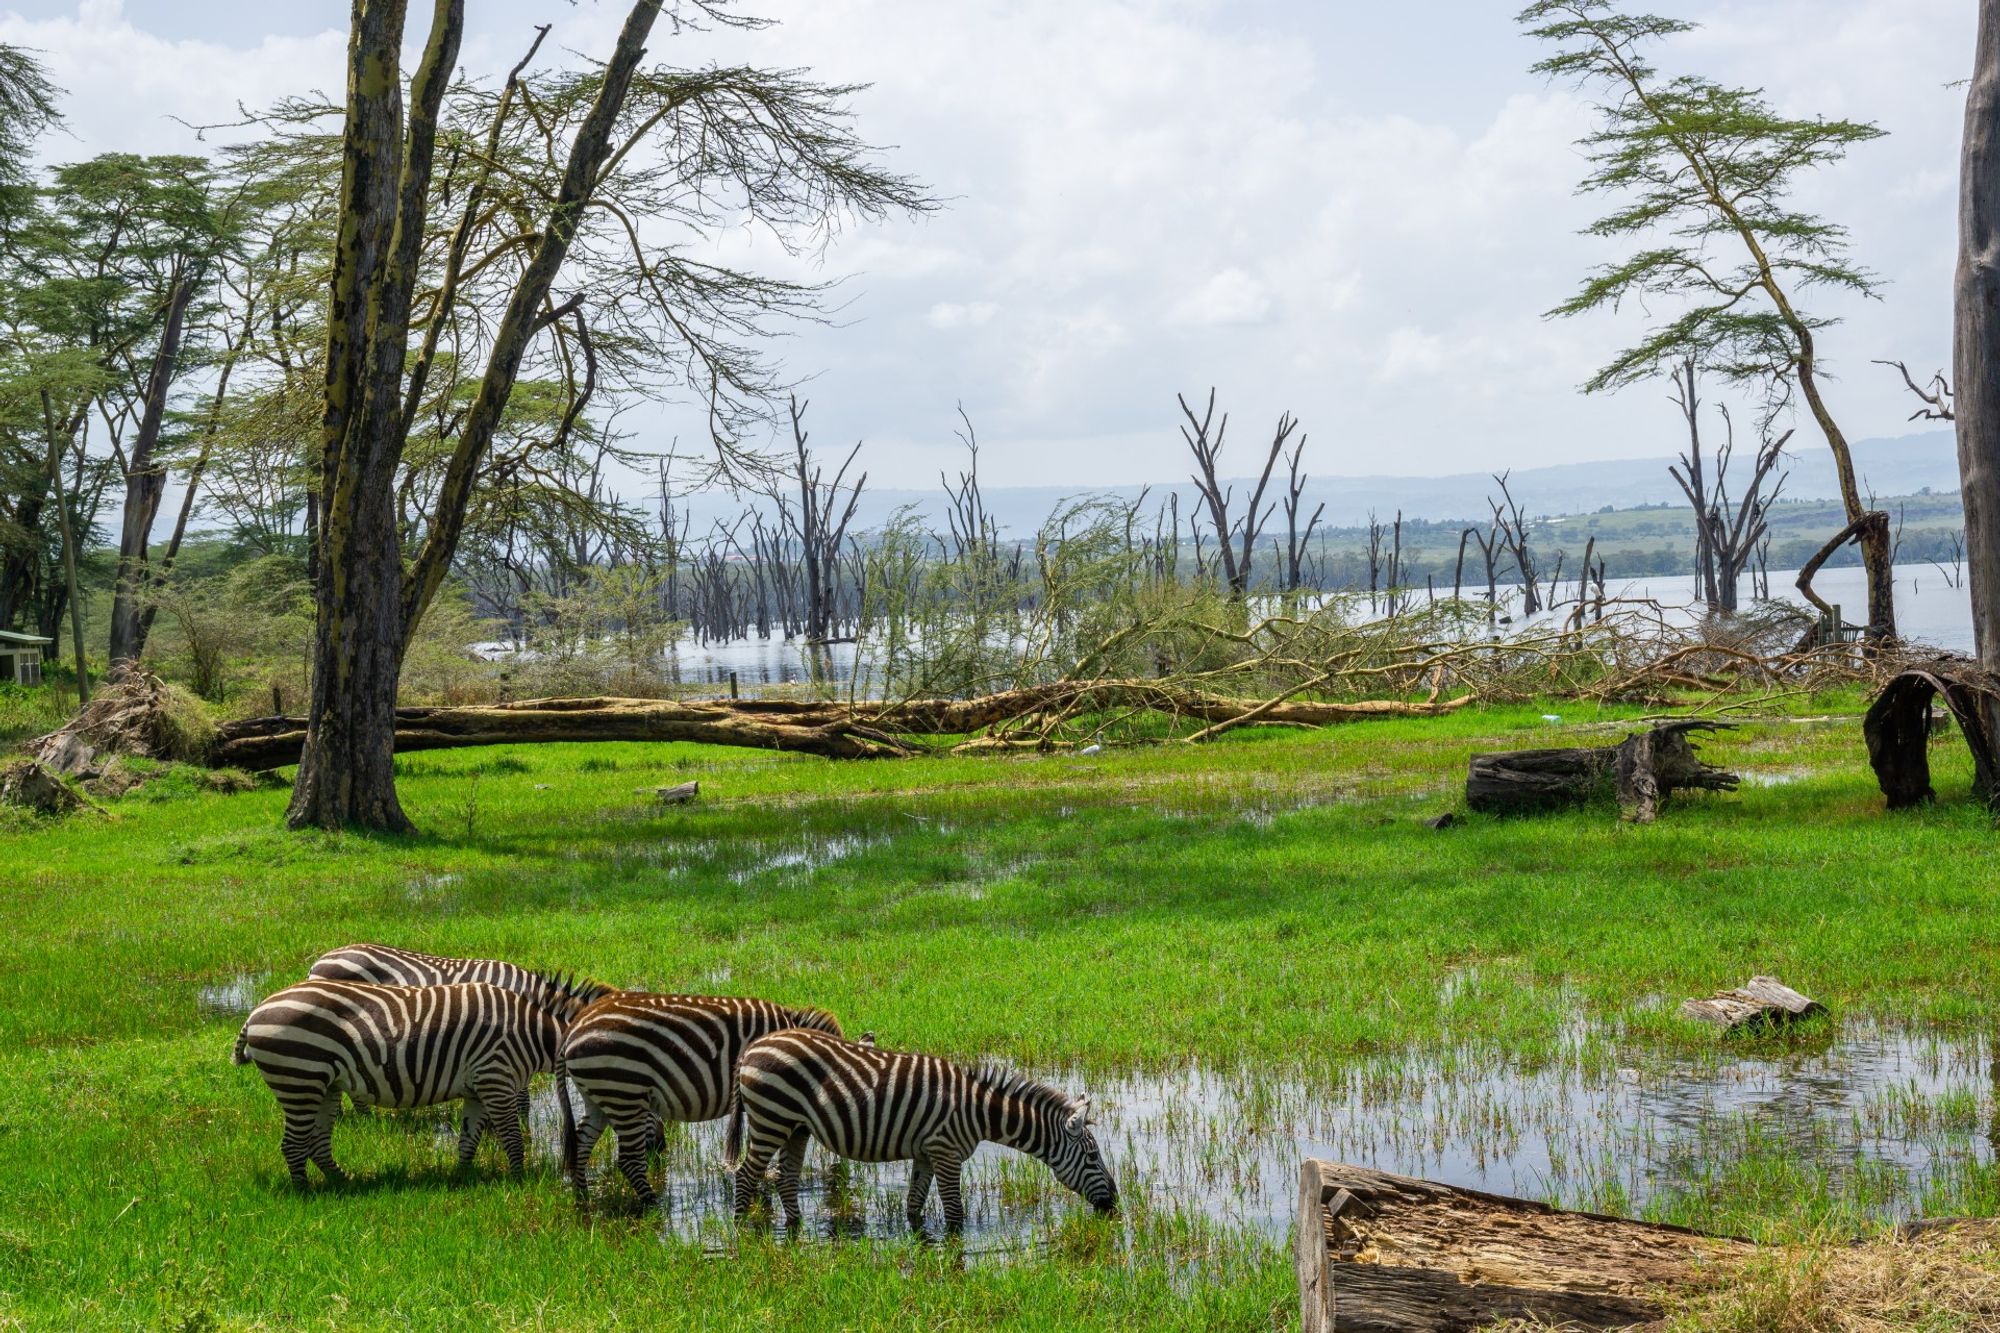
(1897, 727)
(1393, 1254)
(273, 742)
(1760, 1003)
(1641, 772)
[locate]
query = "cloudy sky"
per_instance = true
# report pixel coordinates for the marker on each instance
(1355, 212)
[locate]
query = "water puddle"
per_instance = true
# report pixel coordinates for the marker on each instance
(233, 997)
(1882, 1115)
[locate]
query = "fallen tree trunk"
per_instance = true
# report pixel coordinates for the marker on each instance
(866, 729)
(1641, 771)
(273, 742)
(1393, 1254)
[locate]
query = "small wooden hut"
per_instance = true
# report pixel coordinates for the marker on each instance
(21, 657)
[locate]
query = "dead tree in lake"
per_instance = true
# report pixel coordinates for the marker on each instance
(1735, 534)
(1236, 539)
(1297, 540)
(1512, 528)
(1691, 474)
(820, 525)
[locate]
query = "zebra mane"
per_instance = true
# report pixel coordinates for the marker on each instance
(1002, 1081)
(564, 993)
(807, 1016)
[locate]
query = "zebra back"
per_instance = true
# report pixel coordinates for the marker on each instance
(562, 994)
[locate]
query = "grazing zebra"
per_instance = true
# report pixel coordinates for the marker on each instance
(637, 1059)
(886, 1106)
(402, 1046)
(387, 965)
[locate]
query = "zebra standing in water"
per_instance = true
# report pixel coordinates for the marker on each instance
(386, 965)
(886, 1106)
(402, 1046)
(637, 1059)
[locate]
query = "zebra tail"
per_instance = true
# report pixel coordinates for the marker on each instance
(241, 1055)
(732, 1138)
(571, 1167)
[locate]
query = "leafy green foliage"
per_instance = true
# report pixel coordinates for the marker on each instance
(1701, 174)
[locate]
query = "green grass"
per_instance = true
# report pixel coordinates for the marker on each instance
(1270, 903)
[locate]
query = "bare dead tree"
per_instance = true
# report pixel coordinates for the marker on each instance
(1735, 533)
(820, 524)
(1236, 540)
(1954, 577)
(1512, 527)
(1940, 404)
(1296, 541)
(1690, 472)
(973, 530)
(1374, 561)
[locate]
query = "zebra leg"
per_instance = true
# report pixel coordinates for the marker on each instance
(761, 1140)
(791, 1159)
(322, 1146)
(634, 1138)
(301, 1129)
(521, 1105)
(498, 1089)
(948, 1182)
(514, 1145)
(475, 1124)
(920, 1190)
(589, 1129)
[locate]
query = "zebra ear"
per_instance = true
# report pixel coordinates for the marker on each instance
(1079, 1115)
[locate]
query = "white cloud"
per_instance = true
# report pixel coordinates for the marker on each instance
(1310, 206)
(961, 315)
(1230, 296)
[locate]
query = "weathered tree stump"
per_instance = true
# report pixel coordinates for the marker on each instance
(1392, 1254)
(1641, 772)
(1898, 727)
(30, 786)
(1759, 1004)
(676, 795)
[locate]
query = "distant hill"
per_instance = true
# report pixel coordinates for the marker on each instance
(1906, 466)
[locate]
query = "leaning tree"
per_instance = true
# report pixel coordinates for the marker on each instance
(607, 180)
(1702, 173)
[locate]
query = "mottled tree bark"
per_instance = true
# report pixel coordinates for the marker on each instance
(1976, 343)
(347, 771)
(145, 485)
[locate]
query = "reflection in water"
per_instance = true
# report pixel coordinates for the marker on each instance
(1882, 1114)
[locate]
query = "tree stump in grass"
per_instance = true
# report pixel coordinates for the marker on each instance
(1641, 772)
(1763, 1002)
(1898, 727)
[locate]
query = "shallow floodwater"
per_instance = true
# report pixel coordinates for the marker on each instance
(1884, 1114)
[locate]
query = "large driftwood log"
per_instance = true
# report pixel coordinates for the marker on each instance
(272, 742)
(1641, 771)
(1392, 1254)
(1897, 727)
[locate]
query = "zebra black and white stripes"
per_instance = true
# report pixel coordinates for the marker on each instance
(400, 1046)
(875, 1105)
(638, 1058)
(388, 966)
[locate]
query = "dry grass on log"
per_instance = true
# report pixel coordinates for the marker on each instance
(134, 713)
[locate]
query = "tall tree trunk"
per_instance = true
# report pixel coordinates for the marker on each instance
(68, 549)
(1976, 340)
(145, 484)
(347, 772)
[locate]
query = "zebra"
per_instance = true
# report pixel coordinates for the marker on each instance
(387, 965)
(876, 1105)
(402, 1046)
(637, 1059)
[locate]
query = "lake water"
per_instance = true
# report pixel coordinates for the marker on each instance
(1928, 610)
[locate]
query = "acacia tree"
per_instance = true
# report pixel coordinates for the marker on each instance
(1976, 340)
(1703, 173)
(578, 176)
